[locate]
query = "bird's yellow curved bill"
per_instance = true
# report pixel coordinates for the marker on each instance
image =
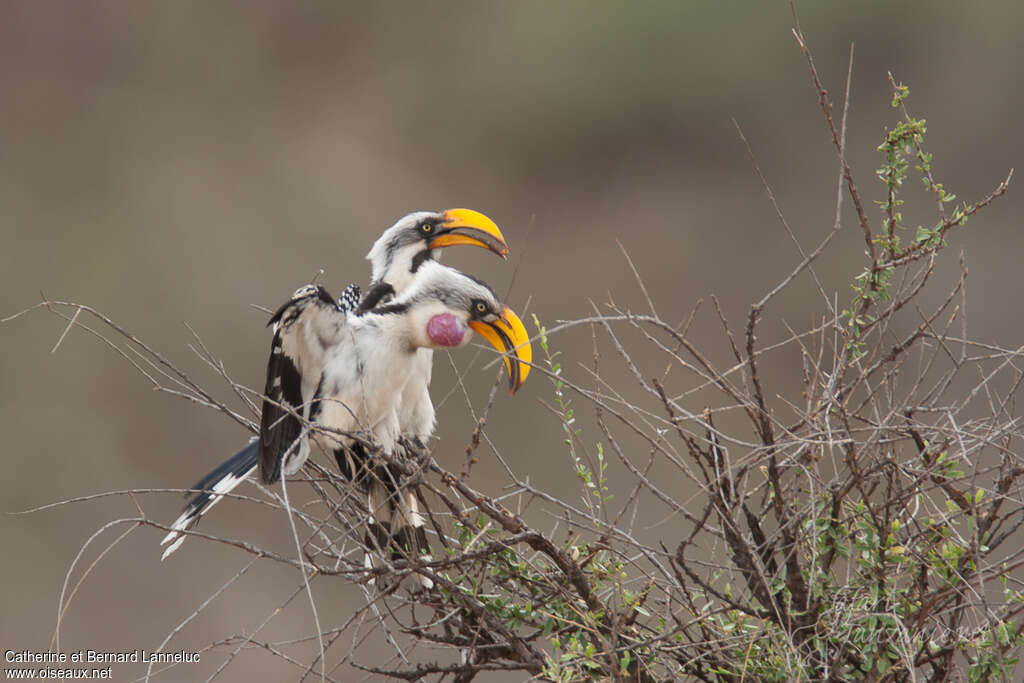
(508, 335)
(466, 226)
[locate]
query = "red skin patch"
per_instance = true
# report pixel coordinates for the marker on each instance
(446, 330)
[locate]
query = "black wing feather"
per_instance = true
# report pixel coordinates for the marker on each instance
(374, 296)
(278, 426)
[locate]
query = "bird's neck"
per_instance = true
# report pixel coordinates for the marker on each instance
(397, 327)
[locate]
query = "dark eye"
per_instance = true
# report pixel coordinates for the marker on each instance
(481, 307)
(427, 228)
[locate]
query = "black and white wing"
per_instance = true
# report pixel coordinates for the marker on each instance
(281, 426)
(348, 302)
(304, 328)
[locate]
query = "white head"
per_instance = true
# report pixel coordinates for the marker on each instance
(399, 252)
(442, 307)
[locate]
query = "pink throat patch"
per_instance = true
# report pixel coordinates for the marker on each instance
(445, 330)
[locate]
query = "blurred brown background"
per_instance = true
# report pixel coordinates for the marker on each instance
(177, 162)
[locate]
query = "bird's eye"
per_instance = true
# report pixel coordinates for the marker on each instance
(427, 228)
(481, 307)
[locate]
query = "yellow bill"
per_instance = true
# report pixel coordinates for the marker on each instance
(508, 335)
(465, 226)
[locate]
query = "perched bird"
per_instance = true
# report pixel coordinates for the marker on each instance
(341, 377)
(395, 258)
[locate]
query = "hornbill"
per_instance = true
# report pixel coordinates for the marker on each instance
(341, 377)
(395, 258)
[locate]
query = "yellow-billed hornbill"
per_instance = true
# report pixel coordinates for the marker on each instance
(345, 374)
(395, 258)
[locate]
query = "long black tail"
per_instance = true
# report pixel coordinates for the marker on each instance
(222, 480)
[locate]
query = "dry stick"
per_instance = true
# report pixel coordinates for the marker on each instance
(641, 476)
(756, 563)
(903, 345)
(627, 423)
(639, 280)
(469, 403)
(622, 352)
(633, 496)
(683, 329)
(807, 259)
(522, 255)
(298, 548)
(531, 659)
(372, 604)
(285, 657)
(62, 606)
(765, 425)
(649, 419)
(474, 440)
(728, 334)
(198, 396)
(424, 670)
(208, 647)
(131, 492)
(826, 109)
(842, 149)
(925, 370)
(763, 420)
(337, 632)
(198, 610)
(714, 377)
(657, 447)
(247, 547)
(750, 411)
(478, 350)
(671, 331)
(201, 395)
(71, 323)
(249, 638)
(513, 524)
(156, 384)
(880, 363)
(739, 367)
(25, 311)
(510, 521)
(218, 366)
(346, 527)
(984, 382)
(883, 319)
